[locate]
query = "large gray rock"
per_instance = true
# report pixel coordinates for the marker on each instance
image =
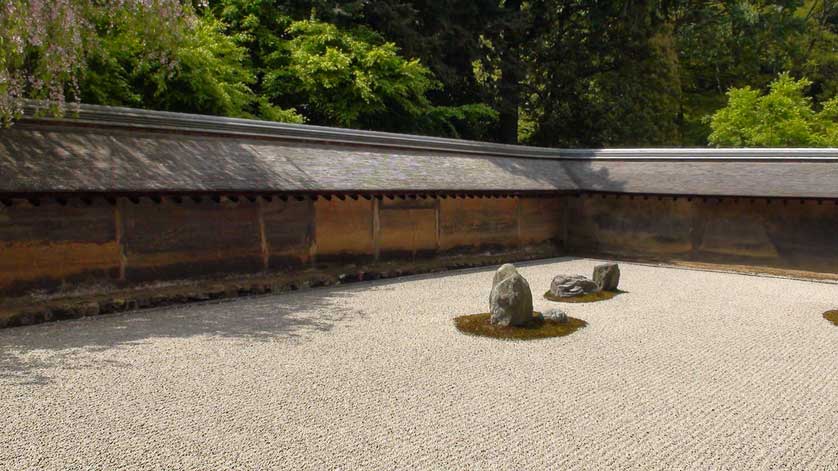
(566, 286)
(506, 270)
(503, 272)
(607, 276)
(511, 301)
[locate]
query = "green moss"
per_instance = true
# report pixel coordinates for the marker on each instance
(831, 316)
(585, 298)
(478, 324)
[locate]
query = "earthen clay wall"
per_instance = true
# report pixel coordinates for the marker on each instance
(778, 233)
(54, 244)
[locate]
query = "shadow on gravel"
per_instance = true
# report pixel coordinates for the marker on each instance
(27, 352)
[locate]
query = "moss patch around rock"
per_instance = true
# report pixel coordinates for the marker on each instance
(831, 316)
(585, 298)
(478, 324)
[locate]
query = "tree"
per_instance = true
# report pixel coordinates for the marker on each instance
(449, 38)
(731, 43)
(508, 29)
(329, 64)
(784, 117)
(44, 44)
(818, 48)
(345, 78)
(600, 74)
(202, 73)
(41, 52)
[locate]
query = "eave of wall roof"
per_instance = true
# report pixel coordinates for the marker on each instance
(105, 149)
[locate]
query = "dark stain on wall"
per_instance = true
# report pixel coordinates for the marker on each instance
(288, 227)
(470, 225)
(57, 244)
(787, 234)
(407, 228)
(343, 231)
(130, 240)
(540, 220)
(169, 240)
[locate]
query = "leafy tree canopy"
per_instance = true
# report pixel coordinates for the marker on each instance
(585, 73)
(783, 117)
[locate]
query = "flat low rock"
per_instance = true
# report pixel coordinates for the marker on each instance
(555, 314)
(607, 276)
(567, 286)
(510, 302)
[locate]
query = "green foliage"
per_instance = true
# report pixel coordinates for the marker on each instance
(817, 58)
(783, 117)
(731, 43)
(606, 77)
(343, 75)
(345, 78)
(201, 72)
(472, 121)
(41, 50)
(548, 72)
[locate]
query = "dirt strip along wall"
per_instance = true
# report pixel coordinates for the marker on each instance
(793, 234)
(51, 245)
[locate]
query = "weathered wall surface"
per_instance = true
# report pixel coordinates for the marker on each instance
(788, 234)
(53, 245)
(170, 240)
(287, 227)
(407, 228)
(343, 230)
(61, 245)
(474, 224)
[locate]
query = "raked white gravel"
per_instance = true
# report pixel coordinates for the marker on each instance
(689, 370)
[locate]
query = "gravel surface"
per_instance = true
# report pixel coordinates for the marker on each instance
(689, 369)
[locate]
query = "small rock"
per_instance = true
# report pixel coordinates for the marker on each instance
(348, 277)
(511, 301)
(113, 305)
(88, 309)
(555, 314)
(607, 276)
(318, 282)
(565, 286)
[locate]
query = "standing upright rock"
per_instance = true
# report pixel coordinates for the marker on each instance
(510, 302)
(607, 276)
(506, 270)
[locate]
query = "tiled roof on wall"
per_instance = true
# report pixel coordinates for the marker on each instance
(105, 149)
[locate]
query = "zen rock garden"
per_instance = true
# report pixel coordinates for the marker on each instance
(580, 289)
(511, 314)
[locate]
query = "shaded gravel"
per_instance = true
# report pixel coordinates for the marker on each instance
(689, 369)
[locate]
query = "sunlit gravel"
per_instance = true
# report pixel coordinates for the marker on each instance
(688, 370)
